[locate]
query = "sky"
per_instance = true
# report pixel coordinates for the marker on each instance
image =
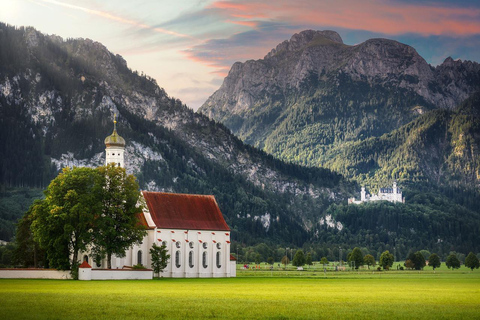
(188, 46)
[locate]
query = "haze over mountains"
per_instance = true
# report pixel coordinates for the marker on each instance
(57, 99)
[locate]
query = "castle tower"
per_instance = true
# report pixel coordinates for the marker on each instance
(115, 147)
(363, 195)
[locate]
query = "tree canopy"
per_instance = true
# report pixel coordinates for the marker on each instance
(452, 261)
(356, 257)
(160, 258)
(471, 261)
(434, 261)
(87, 208)
(298, 259)
(386, 260)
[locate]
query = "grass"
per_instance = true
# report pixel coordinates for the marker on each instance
(339, 295)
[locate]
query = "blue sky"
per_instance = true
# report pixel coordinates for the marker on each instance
(189, 46)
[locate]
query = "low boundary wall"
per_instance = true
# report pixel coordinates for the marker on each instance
(121, 274)
(34, 274)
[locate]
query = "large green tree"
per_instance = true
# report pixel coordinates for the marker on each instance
(117, 226)
(369, 260)
(63, 222)
(452, 261)
(471, 261)
(386, 260)
(298, 258)
(418, 260)
(434, 261)
(87, 208)
(356, 257)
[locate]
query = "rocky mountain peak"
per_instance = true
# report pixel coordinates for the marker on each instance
(305, 38)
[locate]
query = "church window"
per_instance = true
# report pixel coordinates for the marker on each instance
(139, 257)
(177, 244)
(204, 259)
(164, 243)
(190, 245)
(219, 246)
(219, 263)
(119, 164)
(177, 259)
(205, 245)
(190, 259)
(85, 258)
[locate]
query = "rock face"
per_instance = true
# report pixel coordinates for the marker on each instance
(313, 93)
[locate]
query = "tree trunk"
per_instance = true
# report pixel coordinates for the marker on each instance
(109, 261)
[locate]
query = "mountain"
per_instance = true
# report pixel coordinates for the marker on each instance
(57, 100)
(312, 96)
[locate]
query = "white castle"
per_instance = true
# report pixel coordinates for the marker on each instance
(393, 194)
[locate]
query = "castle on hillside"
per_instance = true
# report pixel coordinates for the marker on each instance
(191, 226)
(393, 194)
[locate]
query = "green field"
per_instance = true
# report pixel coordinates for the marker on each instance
(260, 295)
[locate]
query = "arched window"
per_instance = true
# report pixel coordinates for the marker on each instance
(190, 259)
(219, 246)
(164, 243)
(85, 258)
(178, 244)
(204, 259)
(139, 257)
(219, 262)
(177, 259)
(205, 245)
(191, 245)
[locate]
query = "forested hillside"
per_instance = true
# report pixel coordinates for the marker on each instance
(57, 100)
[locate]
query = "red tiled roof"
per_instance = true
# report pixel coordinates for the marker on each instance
(84, 265)
(185, 211)
(232, 258)
(142, 221)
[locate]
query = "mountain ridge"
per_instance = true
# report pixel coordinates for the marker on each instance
(316, 96)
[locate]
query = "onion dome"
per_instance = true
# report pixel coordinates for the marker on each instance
(114, 140)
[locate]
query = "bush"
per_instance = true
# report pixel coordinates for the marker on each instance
(138, 267)
(379, 269)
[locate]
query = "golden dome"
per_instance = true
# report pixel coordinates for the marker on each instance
(114, 140)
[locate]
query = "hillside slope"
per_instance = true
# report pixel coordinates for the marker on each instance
(57, 100)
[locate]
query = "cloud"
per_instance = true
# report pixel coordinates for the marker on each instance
(387, 17)
(220, 54)
(117, 18)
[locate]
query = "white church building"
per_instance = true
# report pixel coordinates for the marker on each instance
(192, 228)
(393, 194)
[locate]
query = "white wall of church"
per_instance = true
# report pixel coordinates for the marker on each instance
(195, 253)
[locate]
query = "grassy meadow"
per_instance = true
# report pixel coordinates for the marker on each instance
(253, 294)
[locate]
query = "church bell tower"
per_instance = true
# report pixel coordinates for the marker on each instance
(115, 147)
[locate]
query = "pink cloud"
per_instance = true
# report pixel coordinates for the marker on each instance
(387, 17)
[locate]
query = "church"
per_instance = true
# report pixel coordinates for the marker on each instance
(192, 228)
